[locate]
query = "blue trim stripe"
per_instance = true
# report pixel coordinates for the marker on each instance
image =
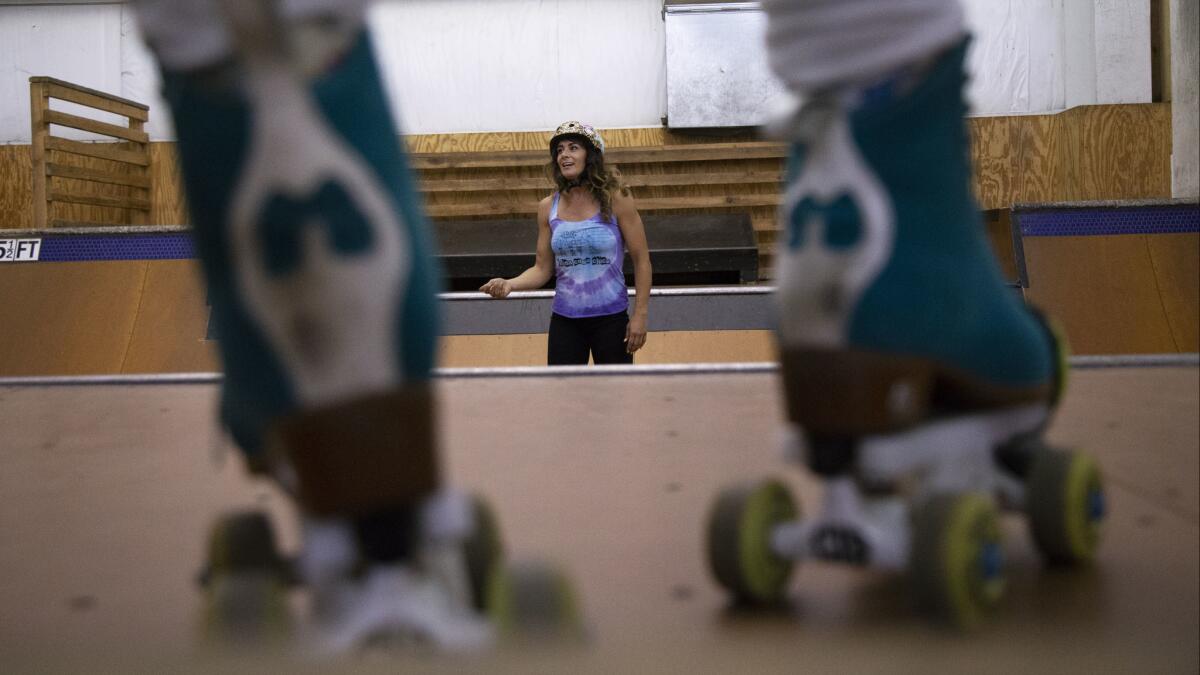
(1051, 222)
(1093, 221)
(78, 248)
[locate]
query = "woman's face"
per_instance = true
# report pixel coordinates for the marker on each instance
(571, 156)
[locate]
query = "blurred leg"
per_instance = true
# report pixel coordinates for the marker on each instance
(888, 286)
(318, 265)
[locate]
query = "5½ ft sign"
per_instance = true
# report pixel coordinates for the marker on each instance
(20, 250)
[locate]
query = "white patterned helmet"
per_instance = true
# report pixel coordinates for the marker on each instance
(585, 131)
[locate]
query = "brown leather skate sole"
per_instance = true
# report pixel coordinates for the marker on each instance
(851, 393)
(362, 454)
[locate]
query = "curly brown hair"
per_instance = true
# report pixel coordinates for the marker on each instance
(602, 181)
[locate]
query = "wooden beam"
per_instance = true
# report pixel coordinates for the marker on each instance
(80, 173)
(95, 126)
(656, 154)
(433, 185)
(38, 104)
(98, 200)
(59, 223)
(657, 204)
(714, 202)
(697, 153)
(93, 98)
(99, 150)
(688, 179)
(141, 216)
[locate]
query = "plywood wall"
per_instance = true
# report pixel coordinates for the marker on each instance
(16, 189)
(1083, 154)
(1086, 153)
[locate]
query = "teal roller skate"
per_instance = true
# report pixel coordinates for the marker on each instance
(319, 269)
(918, 384)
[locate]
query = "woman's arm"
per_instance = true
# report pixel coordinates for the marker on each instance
(543, 266)
(634, 234)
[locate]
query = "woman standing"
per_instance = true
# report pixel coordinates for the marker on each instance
(583, 230)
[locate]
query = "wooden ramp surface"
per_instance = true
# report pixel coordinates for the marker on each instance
(1119, 294)
(90, 318)
(106, 493)
(151, 316)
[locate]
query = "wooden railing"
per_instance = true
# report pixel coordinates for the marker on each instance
(63, 167)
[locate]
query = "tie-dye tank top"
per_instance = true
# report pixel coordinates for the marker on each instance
(589, 258)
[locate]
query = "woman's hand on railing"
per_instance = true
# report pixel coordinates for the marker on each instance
(497, 288)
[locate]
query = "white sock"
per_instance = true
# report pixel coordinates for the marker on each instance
(184, 34)
(815, 45)
(191, 34)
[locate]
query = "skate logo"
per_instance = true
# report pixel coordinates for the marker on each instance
(841, 217)
(284, 218)
(839, 544)
(840, 229)
(20, 250)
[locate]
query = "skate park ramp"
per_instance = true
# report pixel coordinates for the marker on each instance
(1120, 277)
(129, 300)
(104, 317)
(108, 490)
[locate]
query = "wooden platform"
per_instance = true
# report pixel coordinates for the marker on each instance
(106, 492)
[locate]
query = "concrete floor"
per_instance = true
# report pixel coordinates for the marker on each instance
(106, 493)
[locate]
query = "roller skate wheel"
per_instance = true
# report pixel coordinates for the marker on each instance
(1066, 506)
(739, 541)
(245, 582)
(958, 559)
(483, 551)
(533, 602)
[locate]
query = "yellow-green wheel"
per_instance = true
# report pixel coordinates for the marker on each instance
(1066, 505)
(958, 558)
(246, 582)
(739, 541)
(533, 601)
(483, 551)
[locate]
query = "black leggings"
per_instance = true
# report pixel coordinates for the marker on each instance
(571, 340)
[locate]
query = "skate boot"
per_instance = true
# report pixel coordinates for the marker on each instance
(918, 384)
(316, 257)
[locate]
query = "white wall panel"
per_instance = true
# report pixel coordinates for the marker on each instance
(1123, 51)
(1107, 47)
(1015, 59)
(717, 70)
(1079, 48)
(1185, 103)
(515, 65)
(77, 43)
(486, 65)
